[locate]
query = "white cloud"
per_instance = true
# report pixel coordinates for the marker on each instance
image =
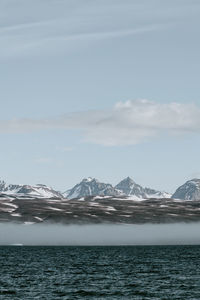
(43, 160)
(127, 123)
(65, 149)
(133, 122)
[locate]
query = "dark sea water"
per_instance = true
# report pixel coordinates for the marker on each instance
(124, 272)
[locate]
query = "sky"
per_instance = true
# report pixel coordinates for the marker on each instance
(100, 88)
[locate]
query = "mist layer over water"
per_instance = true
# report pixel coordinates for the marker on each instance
(148, 234)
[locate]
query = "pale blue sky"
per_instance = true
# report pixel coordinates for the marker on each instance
(59, 57)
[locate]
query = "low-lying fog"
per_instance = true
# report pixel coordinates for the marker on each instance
(147, 234)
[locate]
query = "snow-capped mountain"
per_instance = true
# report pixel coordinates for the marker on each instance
(92, 202)
(188, 191)
(128, 187)
(39, 190)
(91, 187)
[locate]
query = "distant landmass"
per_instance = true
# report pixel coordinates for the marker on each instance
(94, 202)
(93, 187)
(126, 187)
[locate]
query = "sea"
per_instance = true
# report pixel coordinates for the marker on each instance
(99, 272)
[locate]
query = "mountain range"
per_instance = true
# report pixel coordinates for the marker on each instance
(127, 187)
(93, 187)
(94, 202)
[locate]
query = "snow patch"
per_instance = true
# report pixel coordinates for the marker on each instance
(54, 208)
(16, 215)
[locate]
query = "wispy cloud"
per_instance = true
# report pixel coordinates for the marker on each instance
(127, 123)
(43, 160)
(107, 34)
(65, 149)
(33, 27)
(60, 25)
(34, 38)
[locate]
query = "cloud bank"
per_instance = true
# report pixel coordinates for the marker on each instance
(148, 234)
(127, 123)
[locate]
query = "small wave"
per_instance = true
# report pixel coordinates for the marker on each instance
(7, 292)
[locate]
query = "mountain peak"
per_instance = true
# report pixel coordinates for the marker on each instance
(128, 180)
(91, 187)
(129, 187)
(89, 179)
(126, 185)
(189, 190)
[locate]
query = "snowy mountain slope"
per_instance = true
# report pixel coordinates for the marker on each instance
(188, 191)
(38, 190)
(128, 187)
(91, 187)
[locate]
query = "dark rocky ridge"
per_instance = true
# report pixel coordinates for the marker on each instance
(97, 210)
